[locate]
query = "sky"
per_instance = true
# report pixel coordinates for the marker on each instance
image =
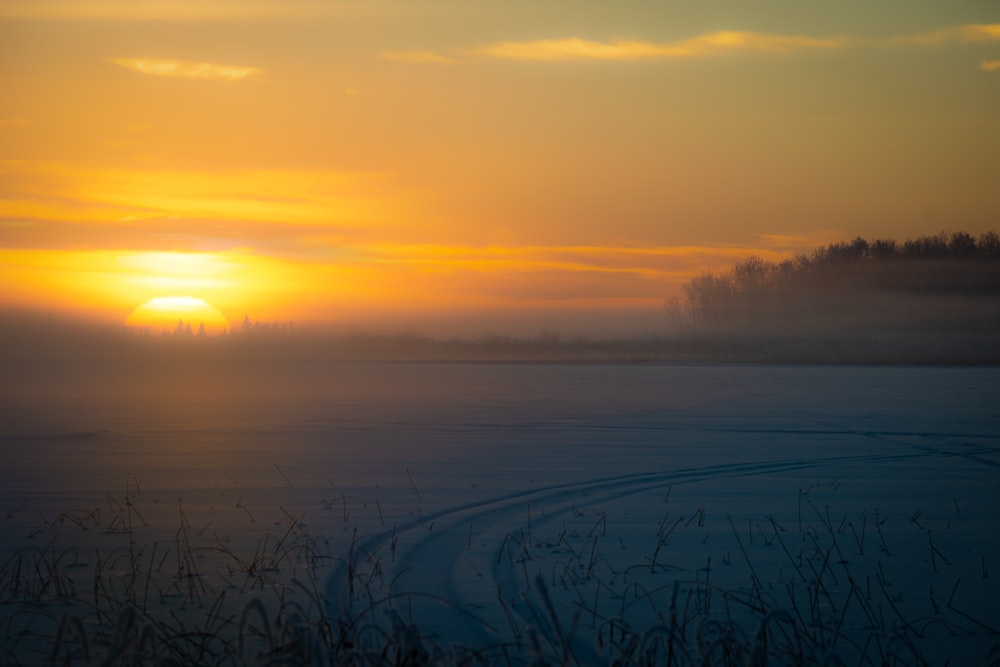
(474, 166)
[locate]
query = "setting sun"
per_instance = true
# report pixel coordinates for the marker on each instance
(485, 265)
(167, 313)
(432, 171)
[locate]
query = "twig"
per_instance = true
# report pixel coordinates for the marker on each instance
(415, 490)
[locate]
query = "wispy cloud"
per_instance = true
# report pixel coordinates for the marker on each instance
(422, 57)
(990, 65)
(980, 33)
(194, 200)
(709, 44)
(650, 262)
(184, 69)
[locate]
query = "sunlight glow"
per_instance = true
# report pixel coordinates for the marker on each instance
(361, 164)
(98, 284)
(170, 313)
(350, 283)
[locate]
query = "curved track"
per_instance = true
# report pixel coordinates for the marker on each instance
(418, 562)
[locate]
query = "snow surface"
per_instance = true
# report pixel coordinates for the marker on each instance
(560, 506)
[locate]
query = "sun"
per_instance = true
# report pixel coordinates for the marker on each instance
(167, 313)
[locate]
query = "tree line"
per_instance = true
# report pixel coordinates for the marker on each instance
(946, 281)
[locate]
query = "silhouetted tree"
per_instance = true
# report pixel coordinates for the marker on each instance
(711, 297)
(856, 279)
(882, 249)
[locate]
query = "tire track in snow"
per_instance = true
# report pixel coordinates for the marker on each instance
(429, 547)
(971, 452)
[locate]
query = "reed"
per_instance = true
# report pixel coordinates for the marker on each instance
(573, 592)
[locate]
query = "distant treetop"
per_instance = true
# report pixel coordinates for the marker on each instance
(947, 280)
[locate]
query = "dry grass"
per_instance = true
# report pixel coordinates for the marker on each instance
(573, 593)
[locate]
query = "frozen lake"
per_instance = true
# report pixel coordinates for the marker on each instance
(473, 492)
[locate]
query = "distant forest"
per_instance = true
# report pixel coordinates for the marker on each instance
(934, 298)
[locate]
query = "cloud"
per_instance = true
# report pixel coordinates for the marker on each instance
(966, 34)
(709, 44)
(990, 65)
(194, 200)
(648, 262)
(421, 57)
(720, 42)
(183, 69)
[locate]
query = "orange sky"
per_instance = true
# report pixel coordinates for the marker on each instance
(486, 164)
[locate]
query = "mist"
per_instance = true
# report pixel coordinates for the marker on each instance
(344, 478)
